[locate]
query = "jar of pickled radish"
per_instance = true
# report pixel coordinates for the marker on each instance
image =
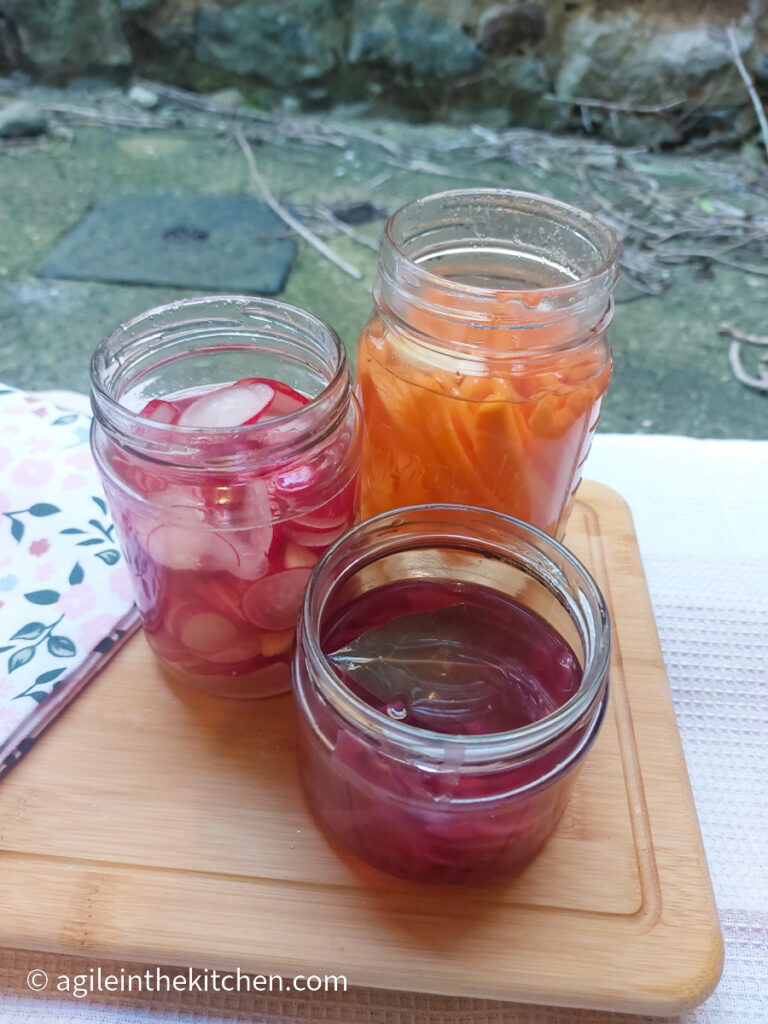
(483, 366)
(451, 673)
(227, 438)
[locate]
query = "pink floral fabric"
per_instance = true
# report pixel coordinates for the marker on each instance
(65, 599)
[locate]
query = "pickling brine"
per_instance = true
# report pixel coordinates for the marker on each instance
(482, 370)
(225, 494)
(449, 684)
(456, 658)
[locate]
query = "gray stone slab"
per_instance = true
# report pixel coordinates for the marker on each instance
(213, 243)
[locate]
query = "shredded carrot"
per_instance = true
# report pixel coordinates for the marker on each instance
(511, 439)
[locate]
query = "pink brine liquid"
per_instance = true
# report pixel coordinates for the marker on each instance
(457, 659)
(220, 564)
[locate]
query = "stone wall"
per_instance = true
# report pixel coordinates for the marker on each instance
(519, 62)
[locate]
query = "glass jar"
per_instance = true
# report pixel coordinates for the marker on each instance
(482, 369)
(220, 526)
(422, 804)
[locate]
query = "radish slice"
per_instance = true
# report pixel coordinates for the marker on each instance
(317, 540)
(297, 557)
(216, 640)
(245, 650)
(299, 478)
(273, 644)
(286, 399)
(283, 404)
(178, 614)
(252, 548)
(273, 603)
(199, 550)
(253, 545)
(232, 406)
(160, 411)
(208, 633)
(224, 597)
(337, 511)
(182, 505)
(320, 523)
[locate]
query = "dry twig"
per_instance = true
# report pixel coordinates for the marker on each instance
(734, 332)
(734, 357)
(759, 383)
(720, 215)
(346, 229)
(287, 217)
(619, 108)
(85, 116)
(292, 129)
(747, 79)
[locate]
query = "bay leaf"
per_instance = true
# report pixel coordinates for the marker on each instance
(453, 670)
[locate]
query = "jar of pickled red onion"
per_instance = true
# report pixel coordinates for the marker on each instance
(451, 673)
(482, 369)
(227, 438)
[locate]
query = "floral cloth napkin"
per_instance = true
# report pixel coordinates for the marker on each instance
(65, 595)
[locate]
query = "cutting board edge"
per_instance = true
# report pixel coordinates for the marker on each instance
(688, 991)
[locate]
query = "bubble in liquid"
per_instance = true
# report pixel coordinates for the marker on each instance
(397, 710)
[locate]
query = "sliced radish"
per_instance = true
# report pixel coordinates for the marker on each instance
(160, 411)
(317, 540)
(178, 614)
(223, 595)
(284, 404)
(252, 548)
(297, 557)
(165, 644)
(197, 549)
(253, 544)
(273, 644)
(273, 603)
(337, 511)
(322, 523)
(231, 406)
(298, 478)
(208, 633)
(244, 650)
(286, 398)
(182, 505)
(257, 508)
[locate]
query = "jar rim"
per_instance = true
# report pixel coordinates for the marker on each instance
(597, 229)
(248, 303)
(458, 749)
(210, 308)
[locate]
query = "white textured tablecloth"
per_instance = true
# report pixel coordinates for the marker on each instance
(701, 512)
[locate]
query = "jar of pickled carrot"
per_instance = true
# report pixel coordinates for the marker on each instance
(228, 441)
(451, 673)
(482, 369)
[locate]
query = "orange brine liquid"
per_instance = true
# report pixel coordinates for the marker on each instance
(476, 424)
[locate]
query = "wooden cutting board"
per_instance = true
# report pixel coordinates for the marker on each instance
(154, 826)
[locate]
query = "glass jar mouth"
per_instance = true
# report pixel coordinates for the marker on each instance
(490, 258)
(439, 528)
(210, 316)
(400, 235)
